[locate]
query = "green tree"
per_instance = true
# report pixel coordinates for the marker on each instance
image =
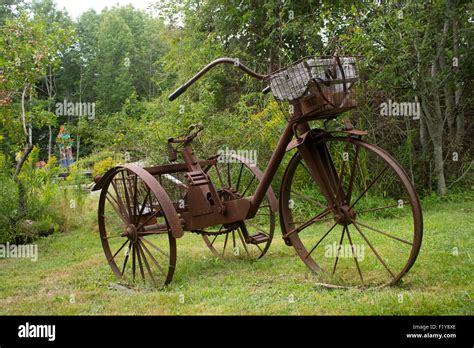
(422, 50)
(26, 51)
(114, 46)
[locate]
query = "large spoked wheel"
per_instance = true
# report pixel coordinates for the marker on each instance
(236, 177)
(136, 224)
(373, 235)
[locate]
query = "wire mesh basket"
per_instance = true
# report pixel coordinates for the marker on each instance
(323, 85)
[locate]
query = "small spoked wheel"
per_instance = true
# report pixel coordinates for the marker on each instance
(236, 177)
(372, 236)
(136, 224)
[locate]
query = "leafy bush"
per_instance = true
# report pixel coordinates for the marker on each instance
(29, 230)
(52, 205)
(8, 200)
(101, 167)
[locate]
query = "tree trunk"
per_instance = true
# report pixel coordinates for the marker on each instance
(439, 167)
(21, 189)
(423, 135)
(51, 95)
(459, 136)
(26, 152)
(459, 129)
(23, 113)
(434, 125)
(78, 146)
(50, 141)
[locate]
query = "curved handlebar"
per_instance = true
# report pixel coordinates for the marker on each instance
(181, 89)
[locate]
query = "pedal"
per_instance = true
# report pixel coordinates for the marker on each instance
(197, 178)
(258, 238)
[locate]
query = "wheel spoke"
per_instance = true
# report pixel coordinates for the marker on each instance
(127, 197)
(243, 242)
(373, 249)
(113, 257)
(116, 236)
(354, 255)
(240, 175)
(308, 223)
(322, 238)
(135, 198)
(351, 179)
(369, 186)
(117, 209)
(219, 174)
(147, 266)
(381, 232)
(143, 205)
(338, 250)
(126, 258)
(152, 231)
(251, 181)
(329, 165)
(154, 246)
(228, 174)
(215, 237)
(309, 199)
(301, 222)
(225, 243)
(133, 261)
(256, 227)
(157, 264)
(147, 220)
(109, 196)
(381, 208)
(341, 173)
(140, 260)
(120, 202)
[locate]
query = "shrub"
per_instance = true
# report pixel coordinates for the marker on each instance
(101, 167)
(8, 200)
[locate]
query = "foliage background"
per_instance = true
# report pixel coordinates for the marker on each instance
(127, 61)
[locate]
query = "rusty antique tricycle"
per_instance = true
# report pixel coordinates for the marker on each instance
(334, 184)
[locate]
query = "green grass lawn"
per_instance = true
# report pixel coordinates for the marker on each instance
(72, 277)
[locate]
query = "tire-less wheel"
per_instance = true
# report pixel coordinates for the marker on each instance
(373, 235)
(236, 177)
(136, 224)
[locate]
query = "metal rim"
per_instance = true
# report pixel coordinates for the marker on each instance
(135, 211)
(351, 218)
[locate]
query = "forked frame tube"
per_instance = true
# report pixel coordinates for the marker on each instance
(318, 161)
(320, 167)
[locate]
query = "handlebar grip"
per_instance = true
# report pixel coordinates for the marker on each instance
(266, 90)
(181, 89)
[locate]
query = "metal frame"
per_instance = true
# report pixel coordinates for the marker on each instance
(205, 206)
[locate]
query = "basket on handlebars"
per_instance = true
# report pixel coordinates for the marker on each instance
(322, 85)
